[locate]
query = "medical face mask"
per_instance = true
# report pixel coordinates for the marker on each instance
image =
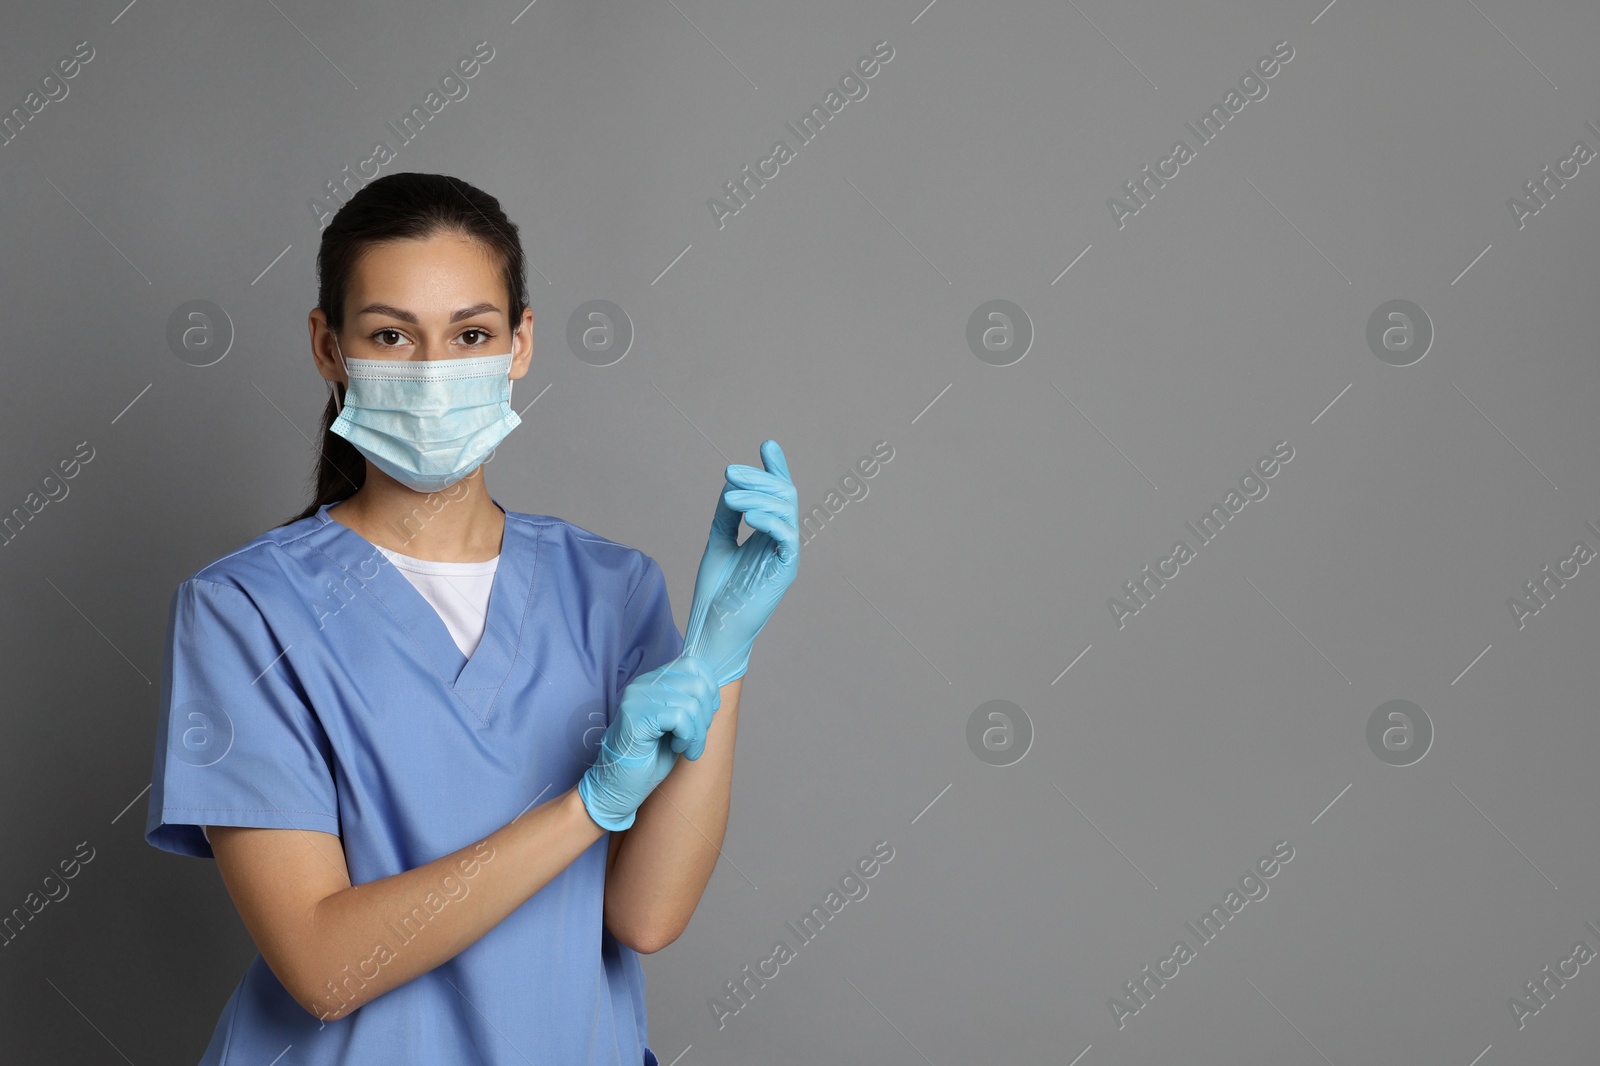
(427, 423)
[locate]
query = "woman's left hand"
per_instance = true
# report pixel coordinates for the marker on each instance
(739, 585)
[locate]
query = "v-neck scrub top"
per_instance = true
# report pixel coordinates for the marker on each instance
(308, 685)
(459, 593)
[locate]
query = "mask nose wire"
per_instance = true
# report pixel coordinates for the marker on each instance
(339, 405)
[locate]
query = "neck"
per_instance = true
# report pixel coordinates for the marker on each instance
(457, 524)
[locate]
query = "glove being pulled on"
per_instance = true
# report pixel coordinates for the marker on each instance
(739, 585)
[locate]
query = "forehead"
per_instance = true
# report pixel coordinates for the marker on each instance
(432, 276)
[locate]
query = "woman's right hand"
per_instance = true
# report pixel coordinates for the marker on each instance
(662, 712)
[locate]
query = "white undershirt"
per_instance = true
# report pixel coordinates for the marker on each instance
(459, 592)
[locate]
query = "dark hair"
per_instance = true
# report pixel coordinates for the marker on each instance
(398, 207)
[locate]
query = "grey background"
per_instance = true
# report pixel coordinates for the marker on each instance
(1228, 315)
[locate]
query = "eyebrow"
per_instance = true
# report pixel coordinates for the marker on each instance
(406, 316)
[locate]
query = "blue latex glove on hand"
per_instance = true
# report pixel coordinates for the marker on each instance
(739, 585)
(662, 712)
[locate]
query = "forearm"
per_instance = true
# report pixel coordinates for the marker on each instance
(665, 859)
(366, 939)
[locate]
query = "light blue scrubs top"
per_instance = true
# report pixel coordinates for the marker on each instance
(308, 685)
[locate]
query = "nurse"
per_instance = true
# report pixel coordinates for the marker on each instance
(455, 764)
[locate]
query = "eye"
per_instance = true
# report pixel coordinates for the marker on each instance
(480, 332)
(386, 333)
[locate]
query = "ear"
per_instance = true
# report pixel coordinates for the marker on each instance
(522, 339)
(322, 346)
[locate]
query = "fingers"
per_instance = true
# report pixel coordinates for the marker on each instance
(778, 528)
(684, 730)
(674, 721)
(748, 500)
(725, 521)
(700, 697)
(781, 501)
(689, 733)
(682, 699)
(748, 477)
(632, 747)
(772, 456)
(747, 488)
(781, 522)
(775, 477)
(750, 489)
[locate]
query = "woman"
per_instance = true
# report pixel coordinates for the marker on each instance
(422, 735)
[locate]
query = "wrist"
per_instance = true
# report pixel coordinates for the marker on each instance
(578, 800)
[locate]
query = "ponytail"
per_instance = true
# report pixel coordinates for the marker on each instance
(340, 469)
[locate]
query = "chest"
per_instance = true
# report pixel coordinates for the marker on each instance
(431, 748)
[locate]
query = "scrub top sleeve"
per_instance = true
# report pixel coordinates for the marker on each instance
(650, 637)
(237, 742)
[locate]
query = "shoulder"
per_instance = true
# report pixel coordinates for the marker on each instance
(575, 538)
(586, 550)
(262, 562)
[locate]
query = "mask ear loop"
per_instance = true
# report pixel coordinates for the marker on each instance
(510, 384)
(338, 403)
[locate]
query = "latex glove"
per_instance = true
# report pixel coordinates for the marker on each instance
(662, 712)
(739, 585)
